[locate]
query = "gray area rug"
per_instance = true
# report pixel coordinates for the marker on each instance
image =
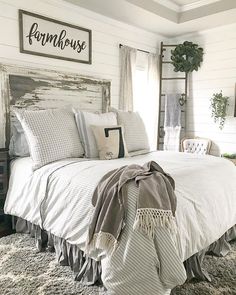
(25, 271)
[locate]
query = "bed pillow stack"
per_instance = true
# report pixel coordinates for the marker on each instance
(129, 137)
(85, 121)
(51, 134)
(57, 134)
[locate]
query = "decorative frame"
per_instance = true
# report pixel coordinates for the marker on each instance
(44, 36)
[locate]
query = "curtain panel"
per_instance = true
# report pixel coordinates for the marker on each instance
(153, 98)
(139, 88)
(127, 74)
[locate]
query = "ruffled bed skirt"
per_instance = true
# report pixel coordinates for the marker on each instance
(220, 248)
(88, 271)
(85, 269)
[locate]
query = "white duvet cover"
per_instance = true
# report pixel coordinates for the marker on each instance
(57, 197)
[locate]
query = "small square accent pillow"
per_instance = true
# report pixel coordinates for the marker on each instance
(51, 134)
(110, 142)
(84, 121)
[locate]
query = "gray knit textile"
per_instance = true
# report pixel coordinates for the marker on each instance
(88, 271)
(172, 110)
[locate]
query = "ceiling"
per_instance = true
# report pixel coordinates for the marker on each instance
(166, 17)
(183, 5)
(184, 2)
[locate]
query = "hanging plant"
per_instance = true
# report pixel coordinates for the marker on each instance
(219, 105)
(186, 57)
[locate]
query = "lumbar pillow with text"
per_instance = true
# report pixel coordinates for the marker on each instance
(84, 121)
(110, 142)
(51, 134)
(135, 132)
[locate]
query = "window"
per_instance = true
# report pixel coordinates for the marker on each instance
(146, 94)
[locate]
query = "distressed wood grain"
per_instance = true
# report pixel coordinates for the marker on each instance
(37, 89)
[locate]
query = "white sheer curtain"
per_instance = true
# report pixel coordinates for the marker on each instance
(146, 95)
(128, 69)
(153, 99)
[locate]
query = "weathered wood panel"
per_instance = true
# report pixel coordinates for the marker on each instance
(37, 89)
(3, 110)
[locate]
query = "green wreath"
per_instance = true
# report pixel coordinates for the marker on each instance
(186, 57)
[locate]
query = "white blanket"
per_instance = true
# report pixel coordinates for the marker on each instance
(58, 198)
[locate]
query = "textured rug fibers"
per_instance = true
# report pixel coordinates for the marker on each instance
(25, 271)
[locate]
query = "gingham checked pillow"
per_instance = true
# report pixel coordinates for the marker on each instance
(51, 134)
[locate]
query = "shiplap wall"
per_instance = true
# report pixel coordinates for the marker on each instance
(107, 34)
(218, 72)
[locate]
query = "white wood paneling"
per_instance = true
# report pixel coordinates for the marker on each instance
(218, 72)
(106, 36)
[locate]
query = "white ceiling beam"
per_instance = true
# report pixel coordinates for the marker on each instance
(169, 4)
(157, 9)
(206, 10)
(197, 4)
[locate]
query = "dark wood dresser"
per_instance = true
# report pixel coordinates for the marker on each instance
(5, 220)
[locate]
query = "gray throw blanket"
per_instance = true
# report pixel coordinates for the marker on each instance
(156, 204)
(172, 110)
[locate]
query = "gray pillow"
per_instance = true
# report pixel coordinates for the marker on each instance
(135, 132)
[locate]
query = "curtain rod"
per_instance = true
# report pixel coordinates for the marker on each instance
(120, 45)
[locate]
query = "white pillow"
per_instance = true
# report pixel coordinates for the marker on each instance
(110, 142)
(84, 122)
(135, 133)
(18, 143)
(51, 134)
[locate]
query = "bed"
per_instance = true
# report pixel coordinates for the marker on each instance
(54, 202)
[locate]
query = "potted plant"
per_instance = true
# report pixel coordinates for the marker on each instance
(219, 105)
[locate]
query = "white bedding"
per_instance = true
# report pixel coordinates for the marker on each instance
(57, 197)
(21, 170)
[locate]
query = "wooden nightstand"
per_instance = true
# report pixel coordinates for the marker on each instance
(5, 220)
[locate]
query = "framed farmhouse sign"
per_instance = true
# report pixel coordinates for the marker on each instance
(48, 37)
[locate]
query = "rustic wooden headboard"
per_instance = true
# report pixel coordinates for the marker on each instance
(30, 88)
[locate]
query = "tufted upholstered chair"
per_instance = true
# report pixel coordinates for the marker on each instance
(200, 146)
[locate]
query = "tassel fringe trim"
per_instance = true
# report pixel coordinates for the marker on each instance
(148, 220)
(102, 241)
